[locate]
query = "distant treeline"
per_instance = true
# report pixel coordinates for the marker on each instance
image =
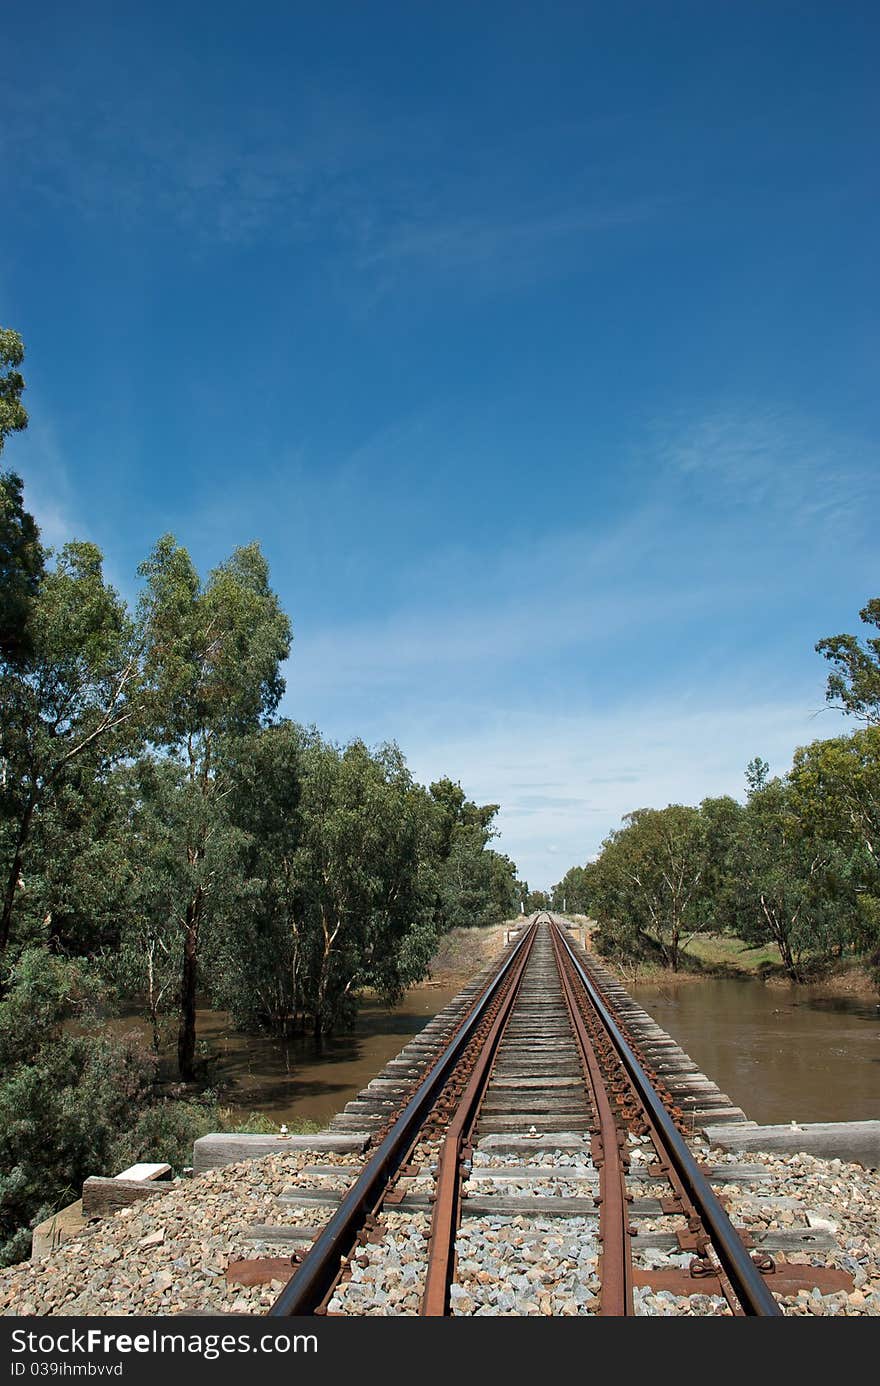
(796, 865)
(164, 835)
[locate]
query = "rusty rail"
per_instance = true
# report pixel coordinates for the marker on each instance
(747, 1282)
(601, 1041)
(445, 1217)
(311, 1281)
(616, 1298)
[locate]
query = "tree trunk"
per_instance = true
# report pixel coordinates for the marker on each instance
(788, 961)
(24, 828)
(320, 998)
(318, 1028)
(674, 947)
(785, 952)
(186, 1038)
(152, 999)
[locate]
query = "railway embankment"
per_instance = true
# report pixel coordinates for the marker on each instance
(528, 1239)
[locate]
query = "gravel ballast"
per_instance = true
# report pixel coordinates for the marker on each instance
(170, 1254)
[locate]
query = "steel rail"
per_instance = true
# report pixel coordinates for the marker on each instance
(616, 1265)
(312, 1279)
(751, 1290)
(447, 1202)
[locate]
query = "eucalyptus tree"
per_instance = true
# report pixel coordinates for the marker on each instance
(650, 878)
(458, 812)
(365, 871)
(476, 885)
(68, 699)
(22, 564)
(144, 960)
(835, 787)
(721, 821)
(855, 682)
(536, 900)
(21, 556)
(81, 865)
(74, 1098)
(571, 893)
(13, 415)
(791, 878)
(69, 1092)
(257, 961)
(212, 655)
(835, 790)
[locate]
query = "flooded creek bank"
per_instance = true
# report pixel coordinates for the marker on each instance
(781, 1053)
(301, 1079)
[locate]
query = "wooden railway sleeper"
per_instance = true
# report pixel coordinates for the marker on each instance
(751, 1296)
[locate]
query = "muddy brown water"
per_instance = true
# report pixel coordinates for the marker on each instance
(299, 1078)
(781, 1053)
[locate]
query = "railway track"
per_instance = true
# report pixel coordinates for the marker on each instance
(539, 1166)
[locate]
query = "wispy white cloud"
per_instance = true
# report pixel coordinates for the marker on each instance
(454, 669)
(477, 241)
(325, 174)
(459, 684)
(774, 460)
(153, 156)
(537, 618)
(601, 764)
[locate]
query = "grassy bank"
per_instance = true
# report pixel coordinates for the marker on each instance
(723, 955)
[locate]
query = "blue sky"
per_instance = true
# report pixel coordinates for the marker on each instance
(537, 345)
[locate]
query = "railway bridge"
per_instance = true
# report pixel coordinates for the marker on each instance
(541, 1148)
(533, 1151)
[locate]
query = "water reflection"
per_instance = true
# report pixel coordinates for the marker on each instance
(779, 1054)
(302, 1078)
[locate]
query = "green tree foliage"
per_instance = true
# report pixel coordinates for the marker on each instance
(721, 824)
(22, 564)
(649, 881)
(257, 970)
(835, 791)
(212, 670)
(69, 701)
(855, 683)
(365, 870)
(536, 900)
(757, 774)
(476, 885)
(790, 879)
(21, 556)
(459, 812)
(65, 1097)
(77, 888)
(13, 416)
(346, 870)
(794, 866)
(165, 813)
(74, 1101)
(570, 894)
